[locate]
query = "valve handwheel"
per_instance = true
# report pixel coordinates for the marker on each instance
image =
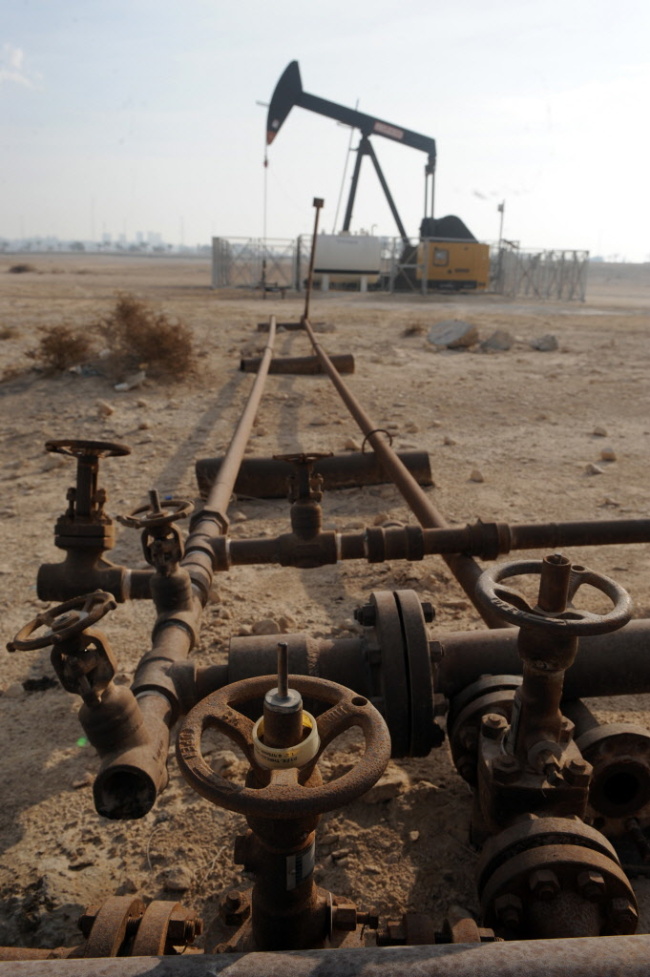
(513, 607)
(285, 797)
(304, 457)
(63, 621)
(87, 449)
(154, 516)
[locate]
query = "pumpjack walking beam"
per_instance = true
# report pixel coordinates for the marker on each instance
(289, 92)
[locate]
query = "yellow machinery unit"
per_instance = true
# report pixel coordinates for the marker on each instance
(453, 264)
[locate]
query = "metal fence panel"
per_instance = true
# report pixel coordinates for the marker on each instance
(239, 262)
(540, 274)
(278, 263)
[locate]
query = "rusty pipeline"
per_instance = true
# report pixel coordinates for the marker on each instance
(377, 544)
(464, 568)
(130, 779)
(84, 570)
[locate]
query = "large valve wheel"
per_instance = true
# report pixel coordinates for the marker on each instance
(63, 621)
(513, 607)
(285, 797)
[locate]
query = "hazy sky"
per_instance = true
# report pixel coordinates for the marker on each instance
(120, 116)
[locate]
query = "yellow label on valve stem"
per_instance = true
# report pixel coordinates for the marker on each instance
(277, 758)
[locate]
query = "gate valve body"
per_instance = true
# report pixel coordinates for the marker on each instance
(533, 763)
(162, 544)
(84, 523)
(284, 794)
(85, 531)
(81, 655)
(305, 493)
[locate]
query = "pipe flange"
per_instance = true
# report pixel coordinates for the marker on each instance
(490, 694)
(406, 683)
(546, 878)
(620, 783)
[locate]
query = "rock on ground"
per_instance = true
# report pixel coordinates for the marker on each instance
(453, 334)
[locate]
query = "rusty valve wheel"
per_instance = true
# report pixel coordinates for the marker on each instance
(87, 449)
(63, 621)
(155, 516)
(514, 608)
(285, 797)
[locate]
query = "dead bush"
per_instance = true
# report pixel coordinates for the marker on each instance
(8, 332)
(140, 338)
(21, 269)
(415, 330)
(60, 348)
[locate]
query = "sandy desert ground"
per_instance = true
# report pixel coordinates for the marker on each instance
(525, 419)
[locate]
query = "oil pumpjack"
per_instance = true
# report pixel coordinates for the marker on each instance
(448, 255)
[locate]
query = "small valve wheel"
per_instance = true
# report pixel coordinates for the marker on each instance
(63, 621)
(285, 797)
(304, 457)
(513, 607)
(156, 516)
(87, 449)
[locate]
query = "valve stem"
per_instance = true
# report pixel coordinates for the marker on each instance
(154, 500)
(283, 670)
(282, 707)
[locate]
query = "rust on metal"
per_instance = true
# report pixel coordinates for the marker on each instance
(299, 365)
(608, 664)
(164, 925)
(266, 478)
(617, 956)
(284, 801)
(110, 925)
(554, 877)
(465, 570)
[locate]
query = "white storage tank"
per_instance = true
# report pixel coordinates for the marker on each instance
(347, 259)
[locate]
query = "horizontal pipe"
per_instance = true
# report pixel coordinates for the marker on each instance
(606, 664)
(299, 365)
(597, 532)
(268, 478)
(602, 956)
(288, 326)
(377, 544)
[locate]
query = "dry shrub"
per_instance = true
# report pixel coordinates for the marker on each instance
(21, 269)
(60, 348)
(11, 373)
(8, 332)
(415, 330)
(140, 338)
